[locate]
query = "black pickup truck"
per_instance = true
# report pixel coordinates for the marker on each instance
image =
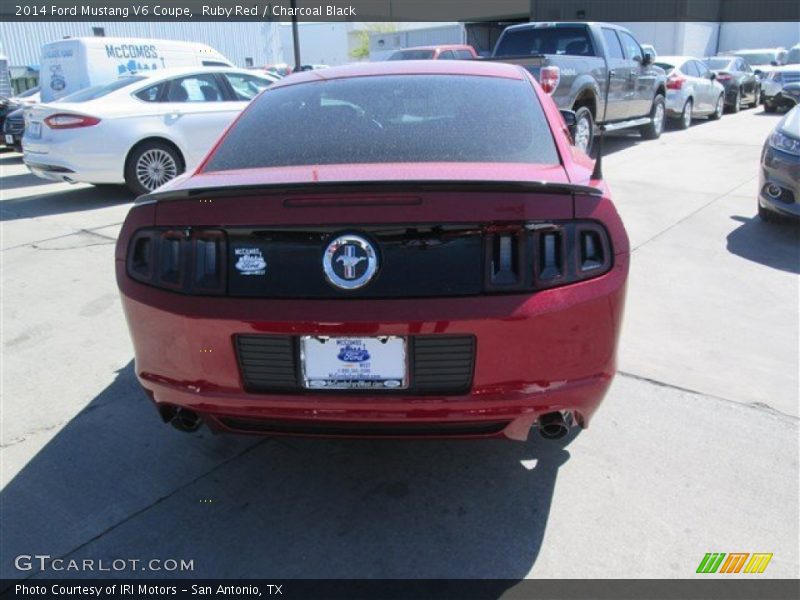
(575, 61)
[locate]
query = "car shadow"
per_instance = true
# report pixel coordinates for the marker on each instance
(114, 482)
(10, 157)
(24, 180)
(771, 244)
(63, 201)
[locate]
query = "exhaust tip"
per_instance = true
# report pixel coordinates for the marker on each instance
(186, 420)
(553, 426)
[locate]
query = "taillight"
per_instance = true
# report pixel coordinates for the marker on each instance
(545, 255)
(191, 261)
(549, 78)
(68, 121)
(674, 82)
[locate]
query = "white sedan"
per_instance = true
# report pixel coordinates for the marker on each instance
(692, 90)
(141, 130)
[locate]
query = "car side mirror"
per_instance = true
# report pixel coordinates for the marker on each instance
(570, 120)
(712, 76)
(774, 63)
(648, 58)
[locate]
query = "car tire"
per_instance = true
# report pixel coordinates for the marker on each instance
(584, 129)
(756, 97)
(685, 119)
(150, 165)
(769, 107)
(737, 101)
(719, 109)
(767, 215)
(658, 115)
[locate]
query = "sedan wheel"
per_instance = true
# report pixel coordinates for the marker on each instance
(737, 101)
(151, 165)
(686, 116)
(756, 97)
(717, 114)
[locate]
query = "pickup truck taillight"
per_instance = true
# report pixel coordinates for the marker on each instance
(675, 82)
(549, 78)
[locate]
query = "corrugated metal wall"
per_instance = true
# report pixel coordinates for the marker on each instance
(260, 41)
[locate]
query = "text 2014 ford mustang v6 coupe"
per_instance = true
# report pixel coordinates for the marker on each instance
(399, 249)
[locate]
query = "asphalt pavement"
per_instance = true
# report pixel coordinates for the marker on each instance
(694, 450)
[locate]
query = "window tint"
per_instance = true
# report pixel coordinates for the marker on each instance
(689, 68)
(215, 63)
(98, 91)
(383, 119)
(246, 87)
(152, 93)
(702, 70)
(447, 55)
(724, 64)
(612, 43)
(412, 55)
(463, 54)
(631, 46)
(195, 88)
(545, 40)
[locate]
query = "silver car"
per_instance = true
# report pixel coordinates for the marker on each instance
(780, 89)
(779, 175)
(692, 90)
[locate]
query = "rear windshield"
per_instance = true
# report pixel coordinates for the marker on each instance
(98, 91)
(412, 55)
(573, 41)
(666, 66)
(390, 118)
(793, 58)
(717, 63)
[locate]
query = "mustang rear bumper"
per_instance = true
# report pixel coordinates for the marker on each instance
(552, 350)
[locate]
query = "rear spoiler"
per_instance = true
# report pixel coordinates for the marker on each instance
(542, 187)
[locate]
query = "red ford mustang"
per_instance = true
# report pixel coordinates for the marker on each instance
(399, 249)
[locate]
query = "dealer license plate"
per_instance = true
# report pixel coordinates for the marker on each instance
(344, 363)
(34, 130)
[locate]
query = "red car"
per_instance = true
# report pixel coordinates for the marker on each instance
(442, 52)
(395, 249)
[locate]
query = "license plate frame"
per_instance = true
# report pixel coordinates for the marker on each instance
(376, 363)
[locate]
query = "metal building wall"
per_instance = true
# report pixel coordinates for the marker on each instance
(260, 41)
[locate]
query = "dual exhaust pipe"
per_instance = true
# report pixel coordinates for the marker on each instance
(555, 425)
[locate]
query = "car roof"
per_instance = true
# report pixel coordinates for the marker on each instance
(408, 67)
(177, 71)
(437, 47)
(542, 24)
(780, 49)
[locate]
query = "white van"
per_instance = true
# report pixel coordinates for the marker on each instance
(73, 64)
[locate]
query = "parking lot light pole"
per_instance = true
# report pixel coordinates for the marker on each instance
(295, 37)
